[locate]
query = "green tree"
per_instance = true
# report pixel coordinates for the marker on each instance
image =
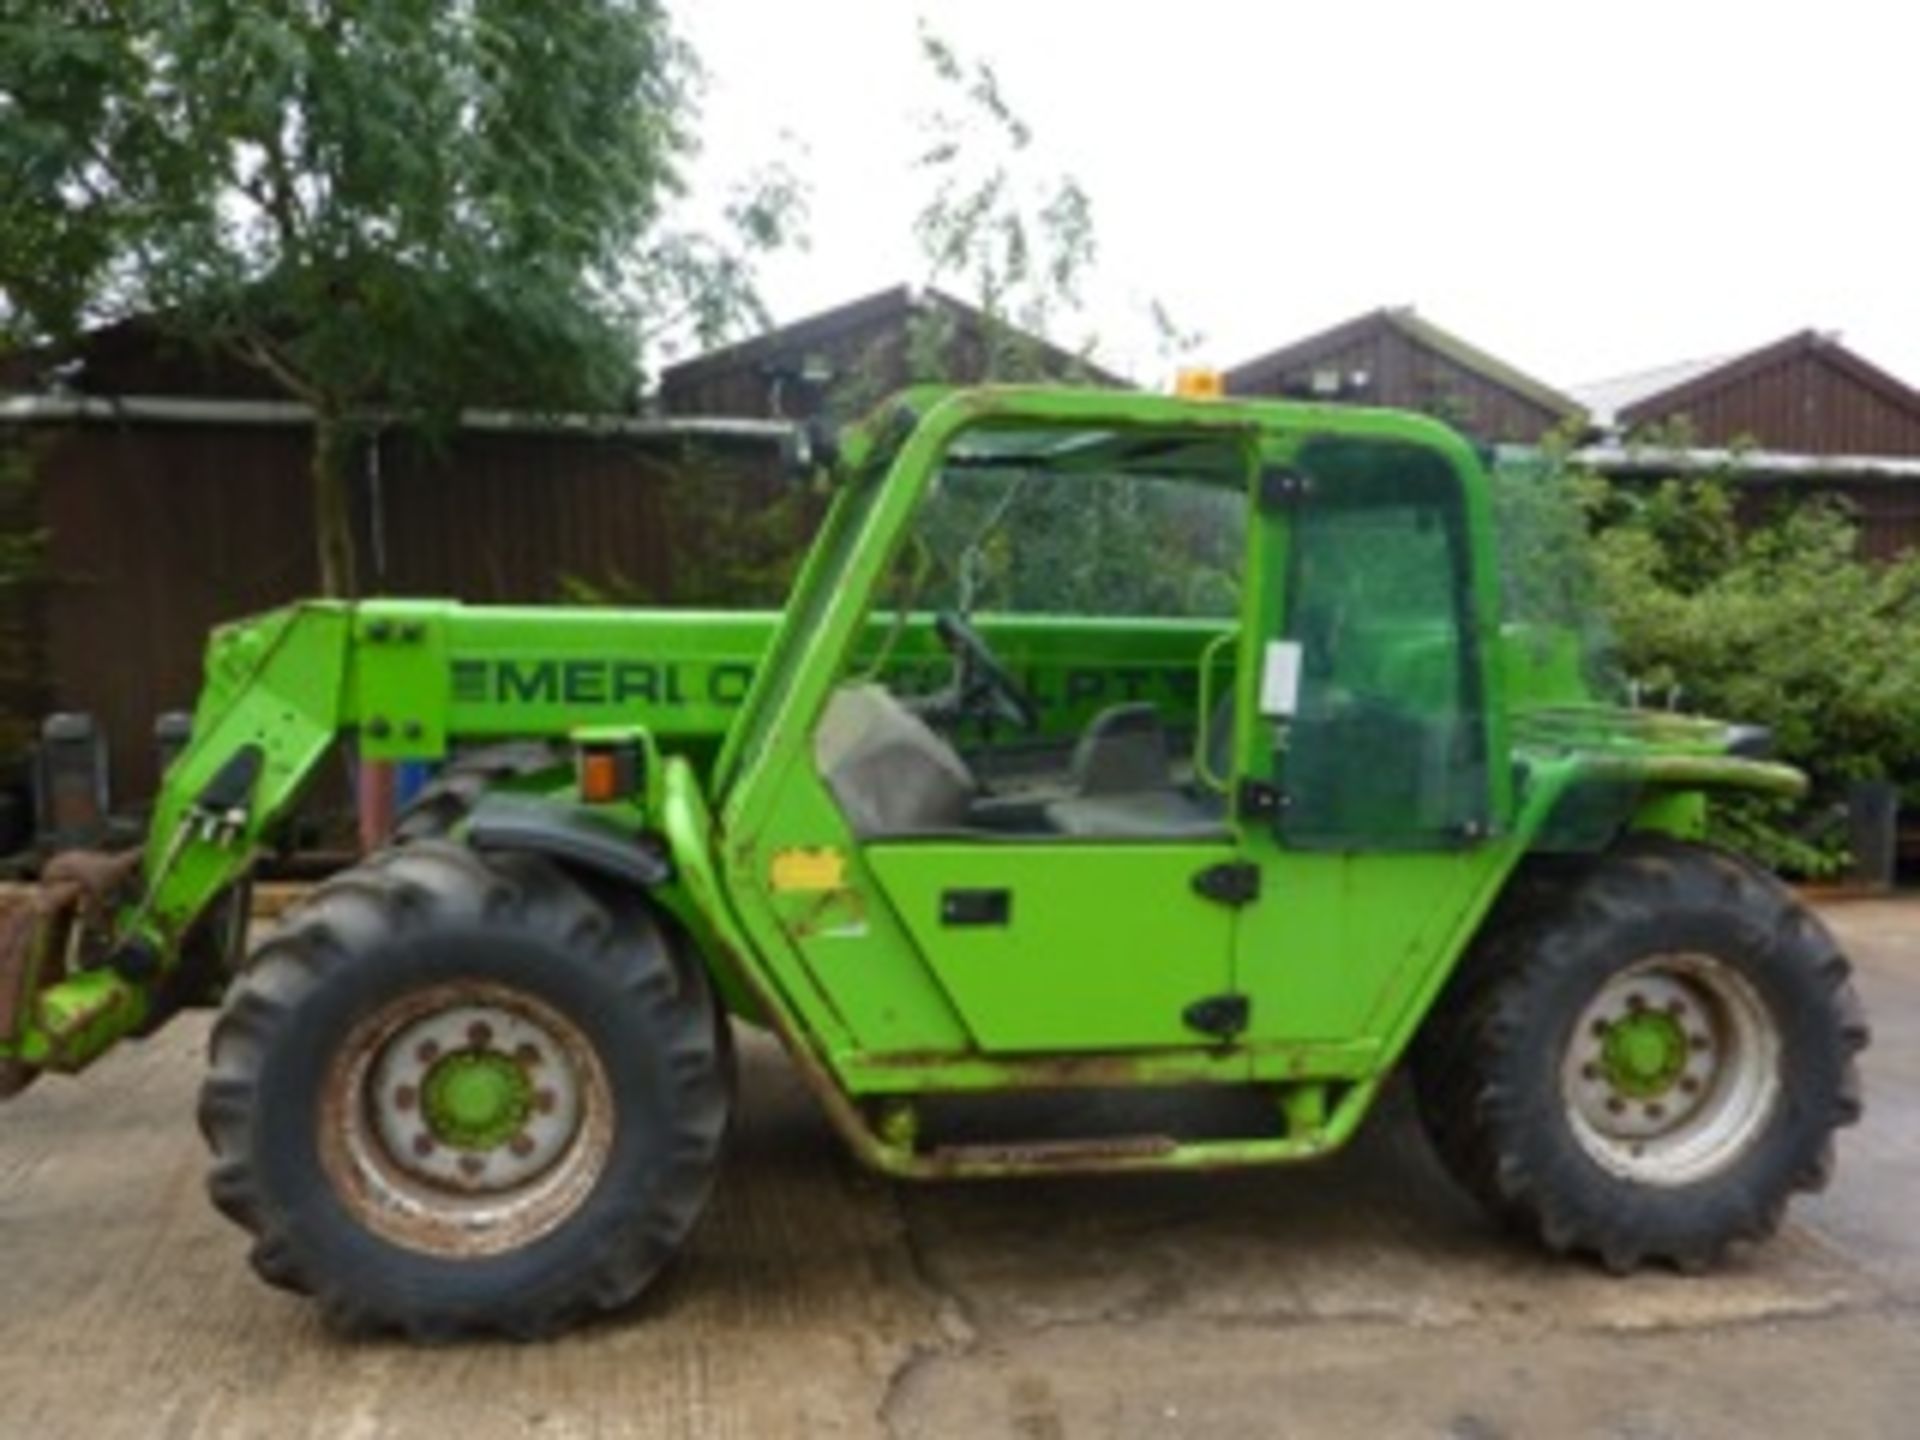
(392, 207)
(1015, 239)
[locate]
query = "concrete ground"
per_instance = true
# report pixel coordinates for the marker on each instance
(1359, 1297)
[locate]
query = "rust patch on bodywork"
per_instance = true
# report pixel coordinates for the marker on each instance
(827, 911)
(1047, 1154)
(36, 929)
(449, 1221)
(62, 924)
(101, 877)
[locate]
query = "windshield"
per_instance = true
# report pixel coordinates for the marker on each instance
(1092, 522)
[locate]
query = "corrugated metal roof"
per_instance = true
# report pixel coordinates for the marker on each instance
(1605, 399)
(1736, 464)
(213, 411)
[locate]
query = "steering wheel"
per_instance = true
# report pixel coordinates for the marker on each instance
(980, 681)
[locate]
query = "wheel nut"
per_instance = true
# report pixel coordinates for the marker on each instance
(1599, 1028)
(527, 1054)
(1656, 1112)
(423, 1145)
(405, 1097)
(1690, 1084)
(521, 1145)
(1615, 1105)
(1676, 1006)
(427, 1052)
(544, 1101)
(480, 1034)
(1636, 1002)
(1589, 1072)
(1698, 1041)
(472, 1165)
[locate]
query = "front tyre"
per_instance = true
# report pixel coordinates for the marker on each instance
(447, 799)
(455, 1095)
(1645, 1062)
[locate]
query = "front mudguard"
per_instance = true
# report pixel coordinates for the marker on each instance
(572, 836)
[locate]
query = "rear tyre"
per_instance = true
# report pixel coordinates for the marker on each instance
(1643, 1063)
(452, 1096)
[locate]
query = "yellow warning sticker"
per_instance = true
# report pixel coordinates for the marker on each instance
(822, 868)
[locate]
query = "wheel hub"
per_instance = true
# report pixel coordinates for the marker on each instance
(1643, 1054)
(476, 1099)
(469, 1094)
(1671, 1069)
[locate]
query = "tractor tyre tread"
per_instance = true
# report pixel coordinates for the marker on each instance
(447, 799)
(333, 957)
(1486, 1063)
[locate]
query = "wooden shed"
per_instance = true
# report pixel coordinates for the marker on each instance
(850, 357)
(1394, 357)
(1807, 394)
(1802, 416)
(165, 505)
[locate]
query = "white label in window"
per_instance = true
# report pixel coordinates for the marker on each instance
(1280, 679)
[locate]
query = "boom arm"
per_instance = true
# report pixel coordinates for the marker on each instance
(408, 679)
(275, 699)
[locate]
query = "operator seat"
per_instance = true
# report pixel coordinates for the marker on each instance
(1123, 750)
(887, 769)
(891, 775)
(1124, 787)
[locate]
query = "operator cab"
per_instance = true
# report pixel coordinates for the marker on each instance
(1079, 676)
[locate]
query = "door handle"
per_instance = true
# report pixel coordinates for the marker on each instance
(976, 907)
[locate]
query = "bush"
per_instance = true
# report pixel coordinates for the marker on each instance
(1778, 623)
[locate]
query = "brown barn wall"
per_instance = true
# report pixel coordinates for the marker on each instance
(1887, 512)
(1804, 403)
(867, 362)
(866, 350)
(156, 533)
(1409, 376)
(502, 518)
(1365, 352)
(1490, 411)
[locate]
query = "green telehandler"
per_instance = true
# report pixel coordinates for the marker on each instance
(1109, 743)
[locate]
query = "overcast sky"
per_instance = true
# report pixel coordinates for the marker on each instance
(1581, 188)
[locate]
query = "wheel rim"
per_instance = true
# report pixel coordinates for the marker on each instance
(1672, 1070)
(465, 1119)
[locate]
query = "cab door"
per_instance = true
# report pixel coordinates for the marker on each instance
(1066, 945)
(1367, 730)
(1115, 940)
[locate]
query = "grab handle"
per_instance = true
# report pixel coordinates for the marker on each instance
(1203, 731)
